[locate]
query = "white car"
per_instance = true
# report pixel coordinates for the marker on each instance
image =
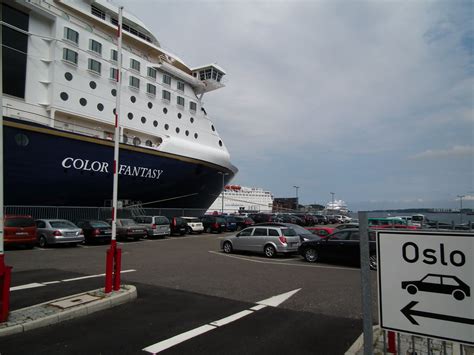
(194, 225)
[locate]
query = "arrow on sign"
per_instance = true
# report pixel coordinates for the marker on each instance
(409, 313)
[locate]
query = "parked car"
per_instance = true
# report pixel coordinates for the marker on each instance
(303, 233)
(262, 217)
(213, 224)
(178, 225)
(306, 219)
(341, 246)
(321, 231)
(321, 219)
(156, 226)
(95, 230)
(347, 226)
(19, 230)
(231, 223)
(58, 231)
(127, 228)
(333, 219)
(194, 225)
(243, 222)
(269, 240)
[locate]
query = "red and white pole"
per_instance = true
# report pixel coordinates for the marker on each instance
(114, 254)
(5, 271)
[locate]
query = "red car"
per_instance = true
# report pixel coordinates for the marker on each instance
(321, 231)
(20, 230)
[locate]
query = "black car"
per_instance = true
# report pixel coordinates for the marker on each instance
(347, 226)
(306, 219)
(321, 219)
(178, 225)
(342, 246)
(243, 222)
(95, 230)
(213, 224)
(262, 217)
(231, 223)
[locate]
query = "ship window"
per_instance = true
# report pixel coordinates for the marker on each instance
(113, 92)
(148, 143)
(191, 119)
(134, 64)
(220, 143)
(95, 46)
(180, 101)
(83, 101)
(196, 135)
(152, 73)
(179, 115)
(137, 141)
(159, 141)
(64, 96)
(165, 110)
(167, 126)
(94, 66)
(166, 95)
(21, 140)
(143, 120)
(151, 89)
(133, 99)
(93, 85)
(97, 12)
(213, 129)
(100, 107)
(130, 116)
(134, 82)
(192, 106)
(113, 73)
(155, 123)
(70, 56)
(180, 86)
(166, 79)
(68, 76)
(71, 35)
(177, 129)
(113, 55)
(187, 133)
(150, 105)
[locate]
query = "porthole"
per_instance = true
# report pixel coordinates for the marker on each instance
(213, 129)
(220, 143)
(159, 141)
(196, 135)
(179, 115)
(64, 96)
(21, 140)
(83, 101)
(177, 129)
(92, 85)
(113, 92)
(167, 126)
(150, 105)
(114, 111)
(192, 119)
(130, 116)
(133, 99)
(155, 123)
(137, 141)
(100, 107)
(148, 143)
(143, 120)
(187, 133)
(68, 76)
(165, 110)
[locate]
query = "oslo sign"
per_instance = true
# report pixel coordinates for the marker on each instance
(426, 284)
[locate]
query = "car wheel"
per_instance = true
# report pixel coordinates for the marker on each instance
(269, 251)
(189, 230)
(311, 255)
(136, 239)
(227, 247)
(412, 289)
(459, 295)
(208, 230)
(373, 262)
(42, 241)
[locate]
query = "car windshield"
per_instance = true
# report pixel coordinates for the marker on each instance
(98, 224)
(220, 220)
(289, 232)
(19, 222)
(62, 224)
(162, 220)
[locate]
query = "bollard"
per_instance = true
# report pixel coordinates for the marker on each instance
(5, 278)
(392, 347)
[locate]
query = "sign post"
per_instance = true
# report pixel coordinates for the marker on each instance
(426, 284)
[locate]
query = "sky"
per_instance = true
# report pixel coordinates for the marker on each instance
(371, 100)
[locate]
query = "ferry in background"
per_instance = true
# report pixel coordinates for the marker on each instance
(59, 97)
(336, 207)
(243, 199)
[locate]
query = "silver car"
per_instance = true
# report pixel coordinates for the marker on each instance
(58, 231)
(156, 226)
(269, 240)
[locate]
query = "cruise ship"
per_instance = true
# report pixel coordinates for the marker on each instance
(336, 207)
(238, 198)
(60, 74)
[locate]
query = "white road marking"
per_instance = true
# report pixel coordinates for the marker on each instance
(274, 301)
(41, 284)
(283, 262)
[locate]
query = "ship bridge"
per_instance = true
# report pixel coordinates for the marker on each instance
(211, 75)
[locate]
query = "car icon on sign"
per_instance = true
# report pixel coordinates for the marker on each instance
(437, 283)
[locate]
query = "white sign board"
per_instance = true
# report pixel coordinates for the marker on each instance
(426, 284)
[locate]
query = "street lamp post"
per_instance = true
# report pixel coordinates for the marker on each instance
(297, 201)
(460, 208)
(332, 199)
(223, 189)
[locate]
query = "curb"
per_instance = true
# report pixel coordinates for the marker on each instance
(358, 346)
(45, 314)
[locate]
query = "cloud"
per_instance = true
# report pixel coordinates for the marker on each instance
(453, 152)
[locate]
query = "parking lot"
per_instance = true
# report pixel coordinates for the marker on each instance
(185, 282)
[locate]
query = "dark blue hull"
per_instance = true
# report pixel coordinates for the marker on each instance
(48, 167)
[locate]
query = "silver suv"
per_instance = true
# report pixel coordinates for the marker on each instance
(269, 240)
(155, 225)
